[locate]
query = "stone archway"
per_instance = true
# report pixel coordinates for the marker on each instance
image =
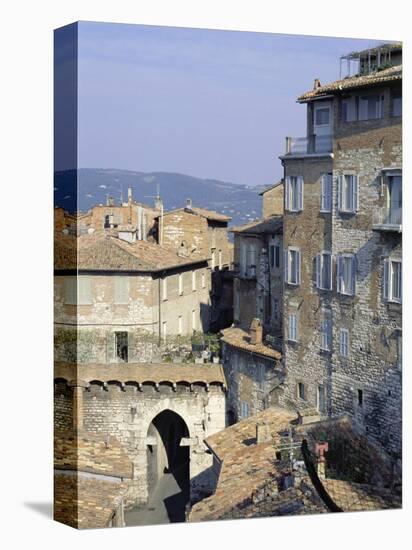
(168, 458)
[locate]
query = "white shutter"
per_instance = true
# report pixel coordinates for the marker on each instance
(355, 193)
(386, 279)
(330, 272)
(340, 273)
(300, 192)
(298, 267)
(340, 190)
(323, 193)
(287, 193)
(295, 327)
(318, 270)
(353, 276)
(286, 265)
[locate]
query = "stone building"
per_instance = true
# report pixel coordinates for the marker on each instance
(342, 238)
(160, 415)
(257, 286)
(128, 301)
(272, 203)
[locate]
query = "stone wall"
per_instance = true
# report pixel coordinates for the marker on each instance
(273, 201)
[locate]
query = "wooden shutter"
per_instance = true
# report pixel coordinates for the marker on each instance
(287, 193)
(353, 276)
(286, 265)
(386, 277)
(298, 267)
(340, 189)
(340, 273)
(300, 192)
(318, 270)
(355, 193)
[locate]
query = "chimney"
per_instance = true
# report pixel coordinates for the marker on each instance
(262, 433)
(189, 204)
(256, 332)
(316, 84)
(129, 195)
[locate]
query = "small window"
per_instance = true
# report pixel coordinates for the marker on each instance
(194, 284)
(326, 193)
(360, 398)
(180, 284)
(121, 290)
(321, 399)
(294, 193)
(397, 104)
(244, 409)
(293, 327)
(344, 342)
(272, 256)
(346, 267)
(301, 390)
(324, 271)
(292, 266)
(122, 346)
(348, 193)
(392, 280)
(277, 255)
(326, 332)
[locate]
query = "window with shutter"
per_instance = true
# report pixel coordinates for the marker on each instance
(121, 290)
(292, 266)
(294, 193)
(344, 342)
(346, 280)
(392, 280)
(287, 193)
(348, 193)
(324, 271)
(293, 328)
(326, 193)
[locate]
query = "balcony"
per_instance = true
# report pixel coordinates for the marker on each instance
(311, 145)
(387, 219)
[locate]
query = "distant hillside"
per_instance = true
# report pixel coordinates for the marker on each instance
(241, 202)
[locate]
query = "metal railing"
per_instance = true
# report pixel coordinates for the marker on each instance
(388, 218)
(308, 145)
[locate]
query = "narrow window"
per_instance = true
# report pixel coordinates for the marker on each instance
(326, 331)
(348, 193)
(326, 193)
(301, 390)
(294, 193)
(277, 255)
(180, 284)
(346, 274)
(324, 271)
(121, 290)
(293, 328)
(392, 283)
(244, 409)
(272, 256)
(292, 266)
(321, 399)
(360, 398)
(344, 342)
(122, 346)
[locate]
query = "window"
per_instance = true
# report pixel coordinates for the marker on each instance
(180, 325)
(326, 193)
(203, 280)
(70, 290)
(277, 255)
(292, 266)
(180, 284)
(194, 286)
(346, 274)
(244, 409)
(326, 331)
(344, 342)
(301, 390)
(121, 290)
(293, 327)
(349, 109)
(164, 288)
(321, 399)
(322, 116)
(84, 290)
(122, 346)
(360, 397)
(274, 255)
(294, 193)
(370, 106)
(324, 271)
(348, 193)
(397, 104)
(392, 280)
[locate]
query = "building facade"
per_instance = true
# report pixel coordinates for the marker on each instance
(342, 238)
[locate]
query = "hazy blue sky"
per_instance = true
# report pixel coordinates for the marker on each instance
(215, 104)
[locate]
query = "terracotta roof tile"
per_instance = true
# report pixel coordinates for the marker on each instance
(272, 224)
(239, 338)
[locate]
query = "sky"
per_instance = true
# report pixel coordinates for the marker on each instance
(207, 103)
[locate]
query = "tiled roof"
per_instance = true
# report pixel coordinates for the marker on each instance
(379, 77)
(86, 503)
(356, 497)
(271, 187)
(273, 224)
(141, 373)
(93, 453)
(208, 214)
(104, 252)
(239, 338)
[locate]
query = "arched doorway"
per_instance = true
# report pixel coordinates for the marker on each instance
(168, 475)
